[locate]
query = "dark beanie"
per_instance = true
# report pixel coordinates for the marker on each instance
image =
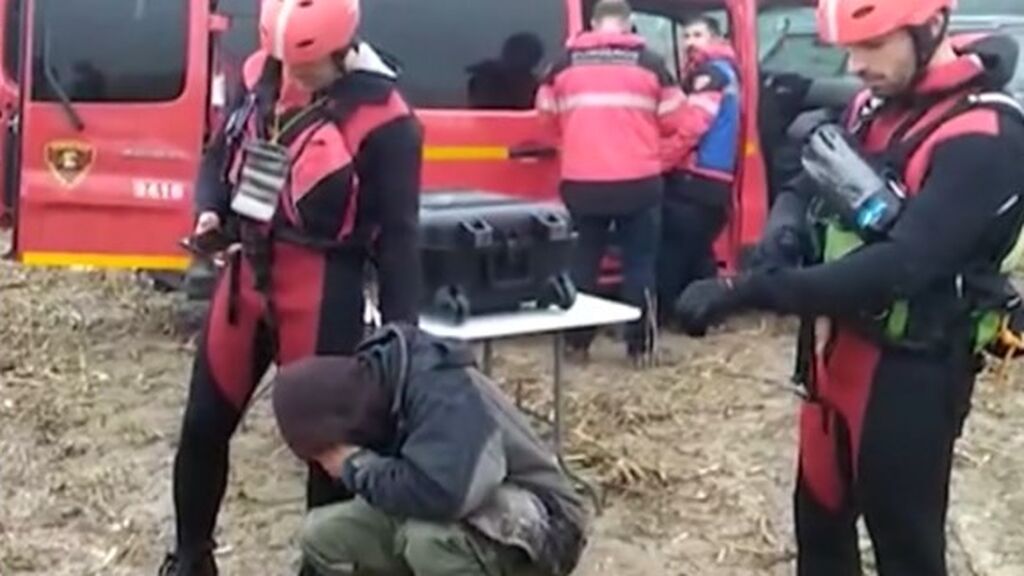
(323, 401)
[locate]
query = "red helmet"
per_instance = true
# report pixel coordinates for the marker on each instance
(851, 21)
(301, 31)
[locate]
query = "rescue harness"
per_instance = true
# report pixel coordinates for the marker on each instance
(984, 301)
(265, 173)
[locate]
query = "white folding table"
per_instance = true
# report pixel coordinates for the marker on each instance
(587, 312)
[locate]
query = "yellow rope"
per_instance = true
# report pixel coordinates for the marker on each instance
(1013, 343)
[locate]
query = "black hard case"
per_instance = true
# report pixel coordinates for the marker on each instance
(484, 252)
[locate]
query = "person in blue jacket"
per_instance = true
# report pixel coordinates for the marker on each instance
(700, 171)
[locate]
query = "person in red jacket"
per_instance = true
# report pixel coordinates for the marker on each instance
(612, 101)
(315, 174)
(698, 191)
(911, 208)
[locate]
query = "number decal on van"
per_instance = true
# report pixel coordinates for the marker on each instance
(162, 190)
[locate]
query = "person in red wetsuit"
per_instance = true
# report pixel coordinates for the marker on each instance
(611, 101)
(316, 173)
(912, 296)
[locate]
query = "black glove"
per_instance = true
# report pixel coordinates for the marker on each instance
(708, 302)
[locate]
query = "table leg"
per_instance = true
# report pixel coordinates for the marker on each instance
(559, 402)
(488, 357)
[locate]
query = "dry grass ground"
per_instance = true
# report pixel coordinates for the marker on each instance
(696, 456)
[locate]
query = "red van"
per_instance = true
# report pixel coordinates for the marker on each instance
(118, 97)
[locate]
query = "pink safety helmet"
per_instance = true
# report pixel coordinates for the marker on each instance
(303, 31)
(847, 22)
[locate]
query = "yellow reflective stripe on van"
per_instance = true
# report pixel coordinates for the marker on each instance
(87, 260)
(463, 153)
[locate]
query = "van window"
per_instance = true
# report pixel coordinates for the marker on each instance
(242, 38)
(805, 55)
(486, 54)
(788, 42)
(660, 34)
(12, 38)
(109, 50)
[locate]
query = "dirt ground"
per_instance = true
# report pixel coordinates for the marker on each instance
(696, 456)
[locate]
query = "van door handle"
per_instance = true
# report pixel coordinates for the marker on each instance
(530, 151)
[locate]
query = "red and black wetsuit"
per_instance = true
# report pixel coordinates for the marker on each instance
(297, 288)
(879, 438)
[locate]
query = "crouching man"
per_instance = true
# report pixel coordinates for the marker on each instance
(448, 476)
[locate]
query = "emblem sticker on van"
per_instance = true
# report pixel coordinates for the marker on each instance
(69, 160)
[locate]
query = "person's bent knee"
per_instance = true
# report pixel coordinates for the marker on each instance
(323, 542)
(437, 549)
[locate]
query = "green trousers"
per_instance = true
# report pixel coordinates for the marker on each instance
(353, 538)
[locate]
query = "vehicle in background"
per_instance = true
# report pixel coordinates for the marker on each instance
(1009, 25)
(789, 44)
(801, 75)
(101, 147)
(117, 99)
